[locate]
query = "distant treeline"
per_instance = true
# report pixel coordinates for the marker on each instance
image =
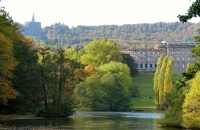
(126, 36)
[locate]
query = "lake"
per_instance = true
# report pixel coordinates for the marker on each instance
(87, 121)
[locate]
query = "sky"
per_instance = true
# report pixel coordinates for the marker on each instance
(96, 12)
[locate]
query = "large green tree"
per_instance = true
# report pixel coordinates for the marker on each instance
(101, 51)
(88, 94)
(106, 89)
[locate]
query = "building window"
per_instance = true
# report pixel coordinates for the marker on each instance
(183, 53)
(183, 49)
(148, 59)
(155, 65)
(188, 58)
(158, 53)
(148, 52)
(172, 52)
(183, 59)
(177, 59)
(177, 52)
(138, 66)
(134, 53)
(138, 53)
(143, 53)
(151, 66)
(188, 53)
(141, 65)
(153, 53)
(183, 66)
(145, 65)
(138, 58)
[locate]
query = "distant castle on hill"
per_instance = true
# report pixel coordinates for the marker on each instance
(34, 29)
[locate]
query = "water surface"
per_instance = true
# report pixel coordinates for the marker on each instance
(88, 121)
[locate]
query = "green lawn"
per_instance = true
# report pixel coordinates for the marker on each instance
(145, 86)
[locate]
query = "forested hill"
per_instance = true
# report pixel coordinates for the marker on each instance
(130, 35)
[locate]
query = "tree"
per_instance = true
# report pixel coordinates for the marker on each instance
(44, 61)
(191, 105)
(88, 94)
(100, 52)
(188, 68)
(6, 57)
(127, 59)
(175, 99)
(156, 87)
(168, 76)
(113, 93)
(161, 79)
(193, 11)
(122, 70)
(105, 88)
(26, 78)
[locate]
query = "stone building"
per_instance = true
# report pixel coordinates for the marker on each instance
(147, 58)
(34, 29)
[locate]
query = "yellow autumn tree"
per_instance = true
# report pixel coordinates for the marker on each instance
(191, 105)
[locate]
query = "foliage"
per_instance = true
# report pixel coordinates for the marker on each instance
(191, 104)
(126, 36)
(100, 52)
(8, 33)
(168, 75)
(26, 78)
(193, 11)
(58, 78)
(174, 99)
(163, 80)
(88, 94)
(122, 70)
(104, 89)
(127, 59)
(156, 86)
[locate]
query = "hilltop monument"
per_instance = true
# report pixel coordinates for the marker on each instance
(33, 29)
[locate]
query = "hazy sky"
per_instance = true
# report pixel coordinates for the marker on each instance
(96, 12)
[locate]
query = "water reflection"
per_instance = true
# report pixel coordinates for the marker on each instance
(89, 121)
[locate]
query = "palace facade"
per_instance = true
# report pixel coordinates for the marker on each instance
(146, 59)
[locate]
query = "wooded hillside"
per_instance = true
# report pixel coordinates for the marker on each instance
(127, 36)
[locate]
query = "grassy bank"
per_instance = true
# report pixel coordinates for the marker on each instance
(144, 82)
